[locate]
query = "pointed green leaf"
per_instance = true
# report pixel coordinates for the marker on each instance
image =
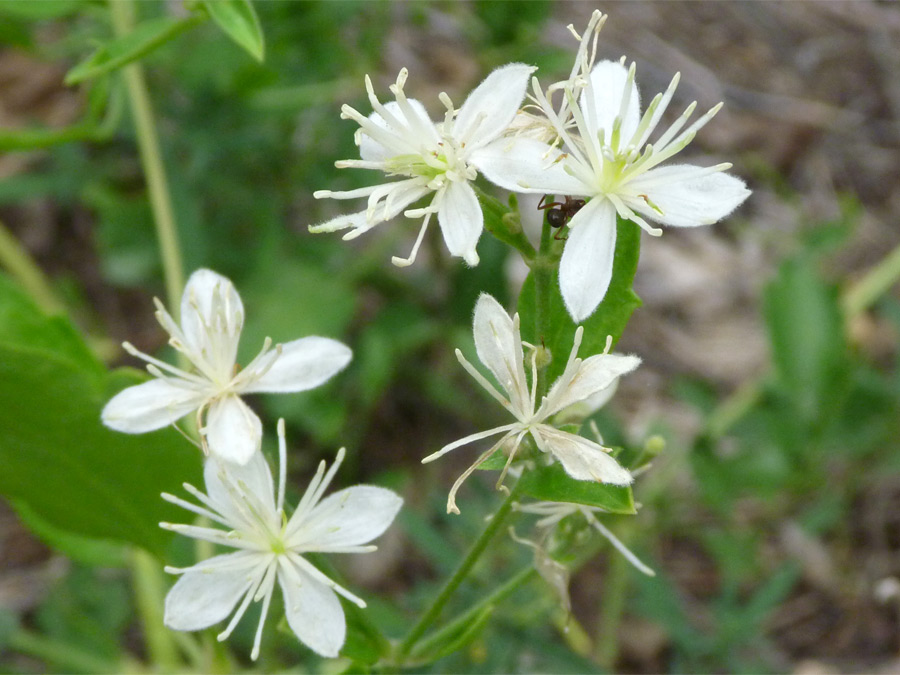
(553, 484)
(238, 20)
(610, 317)
(123, 50)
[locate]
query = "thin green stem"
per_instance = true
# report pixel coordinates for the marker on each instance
(122, 12)
(432, 613)
(149, 589)
(65, 656)
(542, 269)
(612, 609)
(16, 260)
(873, 285)
(456, 625)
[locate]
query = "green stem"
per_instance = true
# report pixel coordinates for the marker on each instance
(872, 286)
(457, 624)
(149, 589)
(122, 12)
(66, 656)
(432, 613)
(542, 268)
(21, 267)
(611, 612)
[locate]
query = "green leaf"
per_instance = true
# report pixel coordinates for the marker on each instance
(40, 9)
(552, 483)
(610, 317)
(59, 462)
(806, 330)
(238, 20)
(72, 471)
(123, 50)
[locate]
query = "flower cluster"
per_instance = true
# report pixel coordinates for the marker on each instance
(593, 146)
(583, 138)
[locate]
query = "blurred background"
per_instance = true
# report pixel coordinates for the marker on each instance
(769, 341)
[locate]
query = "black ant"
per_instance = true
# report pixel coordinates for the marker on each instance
(560, 213)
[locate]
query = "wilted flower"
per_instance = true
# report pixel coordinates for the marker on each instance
(605, 158)
(212, 316)
(400, 139)
(499, 346)
(270, 548)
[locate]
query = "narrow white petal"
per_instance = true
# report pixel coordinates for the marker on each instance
(499, 347)
(602, 100)
(492, 105)
(222, 478)
(303, 364)
(689, 201)
(461, 220)
(151, 405)
(529, 166)
(212, 315)
(595, 374)
(403, 136)
(313, 610)
(582, 459)
(585, 269)
(233, 431)
(349, 517)
(342, 222)
(202, 598)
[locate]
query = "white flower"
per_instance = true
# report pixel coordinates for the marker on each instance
(499, 346)
(212, 316)
(270, 548)
(554, 512)
(399, 139)
(609, 163)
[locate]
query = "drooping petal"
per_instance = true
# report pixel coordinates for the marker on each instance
(687, 196)
(585, 269)
(581, 458)
(233, 431)
(212, 316)
(349, 517)
(595, 374)
(303, 364)
(371, 149)
(151, 405)
(492, 105)
(222, 478)
(203, 597)
(499, 347)
(461, 220)
(313, 610)
(601, 101)
(527, 165)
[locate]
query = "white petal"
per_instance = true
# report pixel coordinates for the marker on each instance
(201, 598)
(602, 100)
(233, 431)
(582, 459)
(151, 405)
(349, 517)
(212, 316)
(492, 105)
(585, 269)
(313, 611)
(499, 347)
(687, 195)
(526, 165)
(595, 374)
(372, 150)
(254, 477)
(461, 221)
(303, 364)
(342, 222)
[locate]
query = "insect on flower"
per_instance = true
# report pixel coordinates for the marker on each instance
(560, 213)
